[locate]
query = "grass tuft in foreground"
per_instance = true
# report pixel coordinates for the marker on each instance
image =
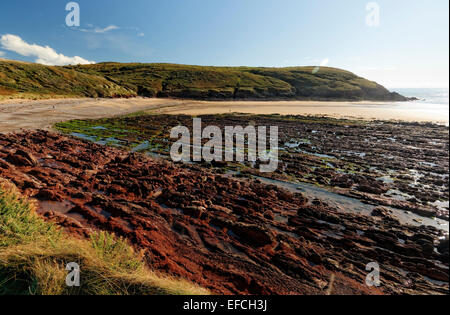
(34, 254)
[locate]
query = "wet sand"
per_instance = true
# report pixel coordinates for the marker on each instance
(23, 114)
(356, 110)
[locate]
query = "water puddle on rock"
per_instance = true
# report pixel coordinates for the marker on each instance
(99, 128)
(84, 136)
(62, 207)
(104, 141)
(143, 146)
(386, 179)
(281, 219)
(110, 141)
(352, 205)
(398, 195)
(286, 233)
(324, 156)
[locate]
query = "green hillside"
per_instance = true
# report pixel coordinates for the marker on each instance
(192, 82)
(28, 80)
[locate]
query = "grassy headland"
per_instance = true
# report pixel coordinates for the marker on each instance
(34, 253)
(35, 81)
(27, 80)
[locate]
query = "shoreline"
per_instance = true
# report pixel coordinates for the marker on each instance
(17, 114)
(6, 101)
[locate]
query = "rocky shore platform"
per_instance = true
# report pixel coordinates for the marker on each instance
(242, 236)
(400, 165)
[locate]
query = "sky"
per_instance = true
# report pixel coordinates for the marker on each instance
(397, 43)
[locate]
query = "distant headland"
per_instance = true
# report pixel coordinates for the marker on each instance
(118, 80)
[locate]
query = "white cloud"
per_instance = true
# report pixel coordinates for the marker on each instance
(2, 53)
(98, 30)
(141, 34)
(45, 55)
(106, 29)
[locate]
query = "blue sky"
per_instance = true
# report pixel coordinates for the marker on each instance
(409, 48)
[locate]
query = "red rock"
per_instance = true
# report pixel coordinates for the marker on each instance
(6, 165)
(217, 231)
(253, 234)
(194, 211)
(22, 158)
(220, 209)
(48, 195)
(343, 181)
(374, 187)
(269, 215)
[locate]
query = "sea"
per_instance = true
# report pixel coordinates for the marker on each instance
(432, 102)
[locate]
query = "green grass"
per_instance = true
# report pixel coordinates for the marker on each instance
(35, 81)
(199, 82)
(34, 253)
(182, 81)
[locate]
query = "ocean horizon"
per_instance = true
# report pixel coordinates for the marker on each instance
(432, 102)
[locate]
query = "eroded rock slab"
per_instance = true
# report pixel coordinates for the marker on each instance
(230, 236)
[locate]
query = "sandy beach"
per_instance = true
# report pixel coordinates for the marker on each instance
(357, 110)
(42, 114)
